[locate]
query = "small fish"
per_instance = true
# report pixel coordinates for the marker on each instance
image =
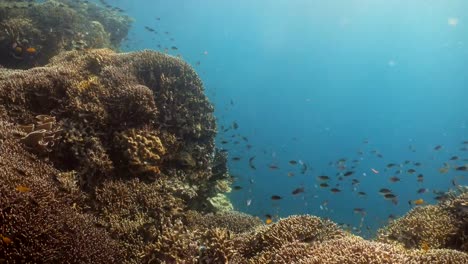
(273, 167)
(420, 178)
(389, 196)
(362, 194)
(411, 171)
(237, 187)
(249, 202)
(394, 179)
(251, 165)
(268, 219)
(374, 171)
(385, 191)
(324, 185)
(298, 191)
(438, 147)
(276, 197)
(422, 190)
(354, 182)
(454, 158)
(348, 173)
(418, 164)
(419, 201)
(6, 240)
(323, 178)
(31, 50)
(236, 158)
(335, 190)
(224, 142)
(407, 162)
(304, 168)
(359, 211)
(235, 125)
(462, 168)
(390, 165)
(22, 188)
(290, 174)
(292, 162)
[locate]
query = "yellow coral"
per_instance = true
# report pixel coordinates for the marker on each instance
(84, 85)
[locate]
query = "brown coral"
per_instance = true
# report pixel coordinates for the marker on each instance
(430, 224)
(43, 224)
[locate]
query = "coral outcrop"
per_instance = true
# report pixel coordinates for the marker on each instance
(33, 32)
(440, 226)
(38, 222)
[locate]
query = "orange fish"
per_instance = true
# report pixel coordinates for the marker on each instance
(22, 188)
(18, 50)
(268, 219)
(31, 50)
(419, 201)
(6, 240)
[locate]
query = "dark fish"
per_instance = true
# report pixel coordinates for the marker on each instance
(235, 125)
(324, 185)
(394, 179)
(384, 191)
(407, 162)
(292, 162)
(422, 190)
(276, 197)
(359, 211)
(251, 165)
(237, 187)
(273, 167)
(150, 29)
(304, 168)
(362, 194)
(248, 146)
(417, 164)
(438, 147)
(454, 158)
(298, 190)
(335, 190)
(380, 156)
(354, 182)
(236, 158)
(389, 196)
(323, 178)
(245, 139)
(224, 142)
(174, 48)
(348, 173)
(391, 165)
(420, 178)
(462, 168)
(411, 171)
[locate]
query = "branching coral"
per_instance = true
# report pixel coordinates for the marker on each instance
(51, 27)
(235, 222)
(40, 223)
(429, 225)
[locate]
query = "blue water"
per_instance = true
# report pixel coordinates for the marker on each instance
(311, 80)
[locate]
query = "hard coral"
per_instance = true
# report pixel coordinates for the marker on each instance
(431, 225)
(50, 27)
(41, 223)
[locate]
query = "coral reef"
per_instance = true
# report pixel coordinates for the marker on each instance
(39, 223)
(438, 226)
(34, 32)
(110, 158)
